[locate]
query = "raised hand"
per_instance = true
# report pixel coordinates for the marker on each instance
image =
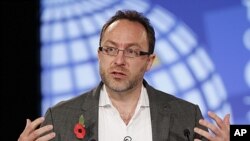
(31, 131)
(220, 130)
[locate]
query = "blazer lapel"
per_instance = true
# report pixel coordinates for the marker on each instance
(160, 115)
(90, 108)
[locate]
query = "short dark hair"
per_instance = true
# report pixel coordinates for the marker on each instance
(135, 16)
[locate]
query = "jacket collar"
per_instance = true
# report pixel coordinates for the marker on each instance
(90, 108)
(159, 109)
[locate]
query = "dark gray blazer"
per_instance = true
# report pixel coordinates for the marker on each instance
(170, 116)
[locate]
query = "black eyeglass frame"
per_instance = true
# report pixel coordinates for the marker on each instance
(141, 53)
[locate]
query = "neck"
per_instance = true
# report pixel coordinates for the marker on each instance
(125, 102)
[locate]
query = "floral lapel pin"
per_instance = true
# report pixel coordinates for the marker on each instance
(80, 129)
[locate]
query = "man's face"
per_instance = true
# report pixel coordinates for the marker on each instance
(120, 73)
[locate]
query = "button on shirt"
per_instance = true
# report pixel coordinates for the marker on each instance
(112, 127)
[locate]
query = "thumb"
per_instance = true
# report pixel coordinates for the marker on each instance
(226, 120)
(27, 123)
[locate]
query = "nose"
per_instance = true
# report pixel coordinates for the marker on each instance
(120, 58)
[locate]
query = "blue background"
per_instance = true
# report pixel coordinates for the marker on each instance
(219, 27)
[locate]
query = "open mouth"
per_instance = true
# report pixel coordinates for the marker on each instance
(117, 74)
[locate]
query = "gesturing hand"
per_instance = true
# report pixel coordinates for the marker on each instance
(32, 133)
(220, 130)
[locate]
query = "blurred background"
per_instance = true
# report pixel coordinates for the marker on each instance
(50, 47)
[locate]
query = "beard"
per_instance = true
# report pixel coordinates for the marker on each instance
(121, 85)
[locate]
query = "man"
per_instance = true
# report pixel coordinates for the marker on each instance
(124, 107)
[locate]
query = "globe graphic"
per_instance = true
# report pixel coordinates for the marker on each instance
(70, 35)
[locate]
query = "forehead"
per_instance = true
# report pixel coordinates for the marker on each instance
(125, 32)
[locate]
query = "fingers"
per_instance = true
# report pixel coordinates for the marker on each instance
(210, 126)
(31, 132)
(223, 124)
(26, 126)
(47, 137)
(203, 133)
(40, 131)
(217, 119)
(226, 120)
(27, 122)
(31, 126)
(220, 129)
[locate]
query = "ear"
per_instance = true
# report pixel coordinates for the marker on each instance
(151, 59)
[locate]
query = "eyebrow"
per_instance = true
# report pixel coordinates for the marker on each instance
(127, 45)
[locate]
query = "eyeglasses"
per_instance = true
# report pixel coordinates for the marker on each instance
(128, 52)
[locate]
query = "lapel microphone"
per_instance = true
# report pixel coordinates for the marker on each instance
(186, 134)
(127, 138)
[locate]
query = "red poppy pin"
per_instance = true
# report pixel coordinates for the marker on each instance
(79, 129)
